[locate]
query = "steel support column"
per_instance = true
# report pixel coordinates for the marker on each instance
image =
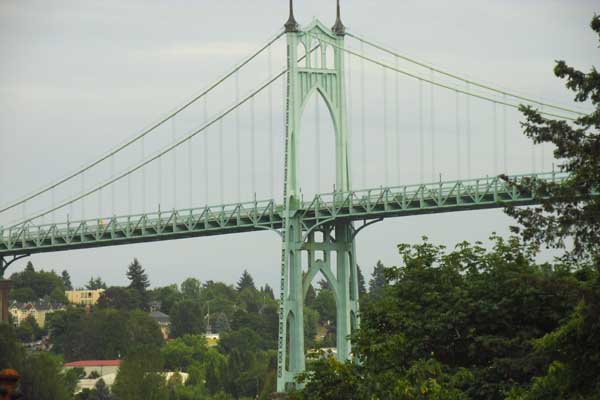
(316, 74)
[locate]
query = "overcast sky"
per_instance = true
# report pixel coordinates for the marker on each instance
(78, 77)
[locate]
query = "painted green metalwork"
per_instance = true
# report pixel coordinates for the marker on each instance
(357, 205)
(321, 229)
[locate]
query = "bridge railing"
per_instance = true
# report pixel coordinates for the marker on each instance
(157, 220)
(267, 214)
(429, 195)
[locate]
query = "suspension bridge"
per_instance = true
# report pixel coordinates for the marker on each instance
(213, 165)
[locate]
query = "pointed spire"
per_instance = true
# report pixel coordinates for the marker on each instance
(291, 25)
(339, 28)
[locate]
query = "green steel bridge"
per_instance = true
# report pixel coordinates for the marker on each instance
(322, 227)
(362, 205)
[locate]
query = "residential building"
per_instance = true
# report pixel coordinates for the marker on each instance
(84, 297)
(102, 367)
(37, 309)
(163, 321)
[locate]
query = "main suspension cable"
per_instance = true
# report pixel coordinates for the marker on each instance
(166, 149)
(148, 130)
(457, 77)
(445, 86)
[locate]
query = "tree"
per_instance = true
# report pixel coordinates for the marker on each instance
(58, 296)
(95, 284)
(190, 288)
(245, 282)
(325, 305)
(571, 350)
(137, 277)
(268, 291)
(139, 377)
(31, 285)
(100, 391)
(167, 296)
(29, 267)
(66, 278)
(120, 298)
(572, 211)
(377, 282)
(29, 330)
(101, 334)
(362, 288)
(187, 317)
(221, 323)
(41, 376)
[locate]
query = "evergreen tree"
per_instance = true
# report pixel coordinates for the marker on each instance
(245, 282)
(137, 277)
(362, 288)
(311, 296)
(377, 282)
(66, 278)
(100, 391)
(324, 285)
(95, 283)
(29, 267)
(268, 291)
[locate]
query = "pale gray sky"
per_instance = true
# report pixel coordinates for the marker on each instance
(78, 77)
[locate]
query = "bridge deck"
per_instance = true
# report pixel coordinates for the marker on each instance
(260, 215)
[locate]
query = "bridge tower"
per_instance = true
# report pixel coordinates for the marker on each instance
(307, 77)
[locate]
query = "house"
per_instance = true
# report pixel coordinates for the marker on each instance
(84, 297)
(101, 367)
(163, 321)
(37, 309)
(107, 370)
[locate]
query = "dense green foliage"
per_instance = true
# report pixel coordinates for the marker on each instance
(102, 333)
(32, 285)
(41, 373)
(473, 323)
(571, 212)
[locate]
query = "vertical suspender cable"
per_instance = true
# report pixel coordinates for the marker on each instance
(252, 147)
(53, 203)
(363, 140)
(271, 139)
(129, 193)
(386, 147)
(112, 187)
(190, 173)
(70, 216)
(468, 129)
(82, 192)
(495, 139)
(397, 120)
(238, 151)
(504, 134)
(159, 167)
(100, 203)
(421, 134)
(143, 150)
(432, 125)
(205, 150)
(458, 144)
(317, 145)
(174, 135)
(542, 151)
(349, 113)
(221, 165)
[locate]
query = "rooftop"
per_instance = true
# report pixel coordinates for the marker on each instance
(94, 363)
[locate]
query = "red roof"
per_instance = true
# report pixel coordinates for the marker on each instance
(94, 363)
